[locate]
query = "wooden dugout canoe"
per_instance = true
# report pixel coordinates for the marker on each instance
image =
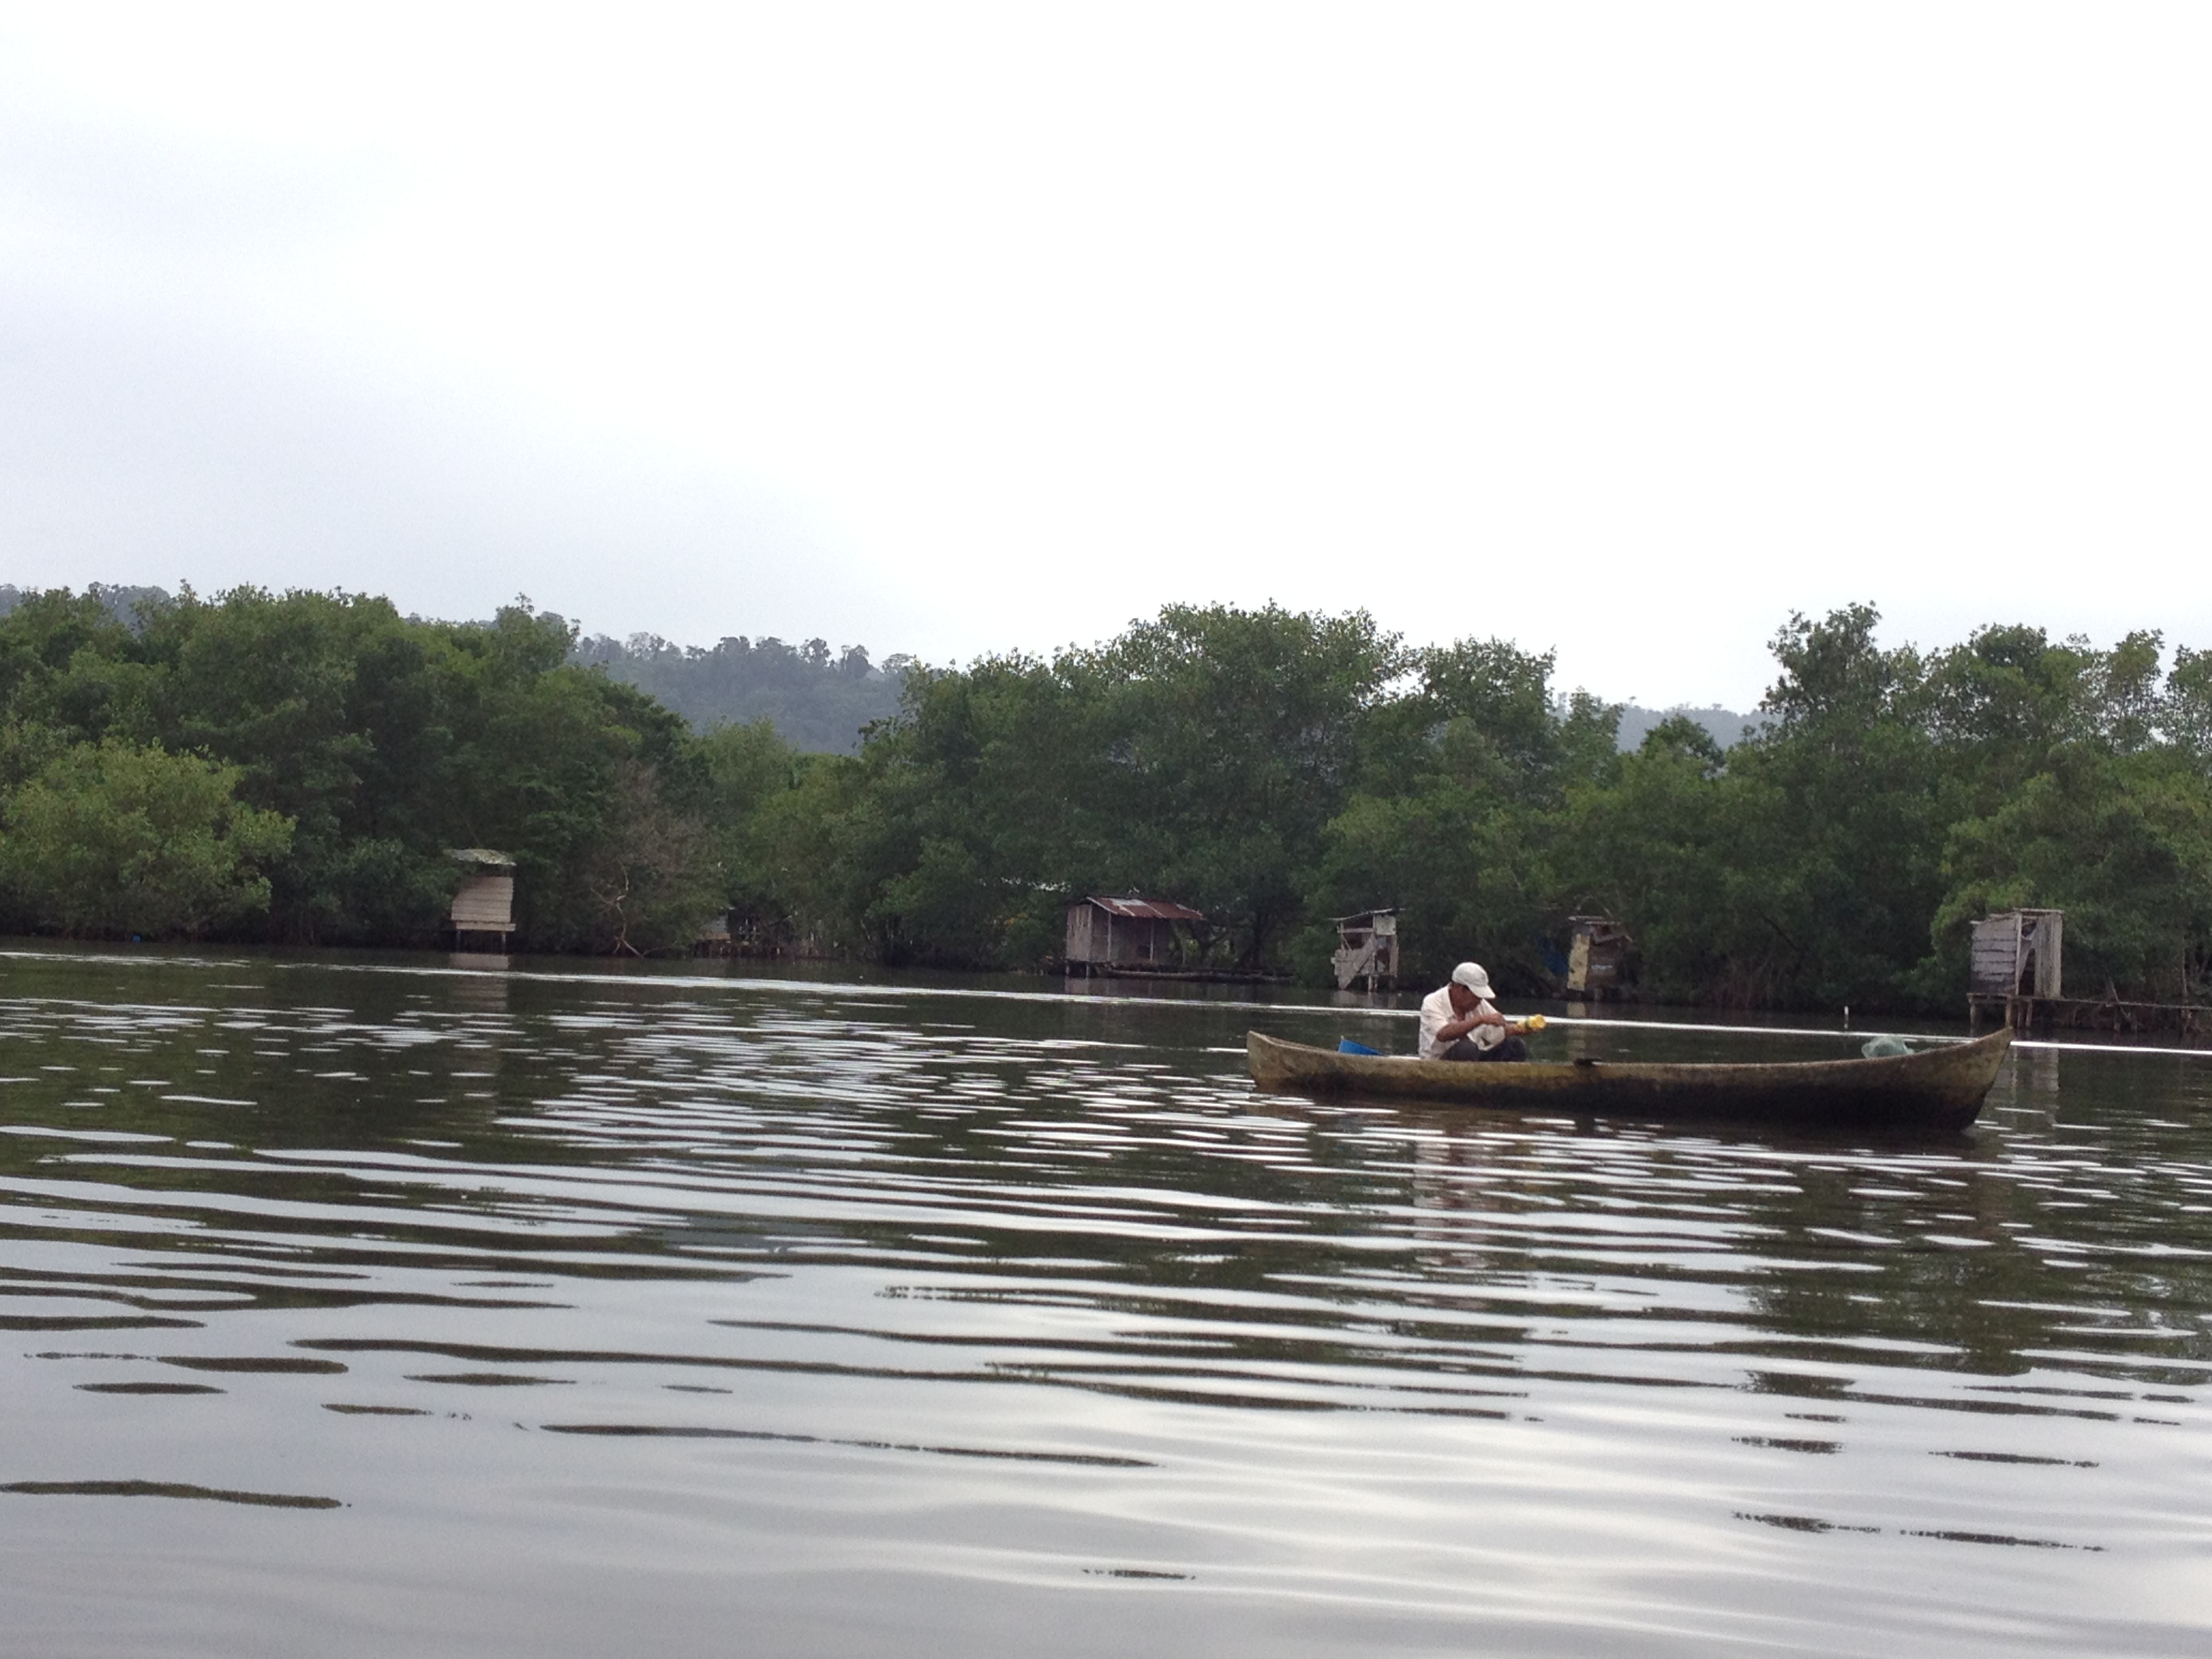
(1937, 1088)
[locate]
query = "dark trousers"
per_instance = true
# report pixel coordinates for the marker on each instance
(1511, 1049)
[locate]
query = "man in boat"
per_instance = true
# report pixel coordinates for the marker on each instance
(1458, 1023)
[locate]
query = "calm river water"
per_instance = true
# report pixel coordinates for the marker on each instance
(373, 1309)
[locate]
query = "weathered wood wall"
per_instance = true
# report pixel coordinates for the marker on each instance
(484, 904)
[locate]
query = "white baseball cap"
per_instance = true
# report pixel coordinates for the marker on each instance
(1470, 974)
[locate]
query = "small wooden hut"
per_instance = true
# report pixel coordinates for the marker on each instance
(2015, 953)
(714, 938)
(482, 915)
(1129, 935)
(1367, 949)
(1597, 959)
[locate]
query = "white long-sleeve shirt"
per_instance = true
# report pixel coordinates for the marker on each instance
(1437, 1013)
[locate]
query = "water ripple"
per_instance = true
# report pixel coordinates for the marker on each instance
(1004, 1293)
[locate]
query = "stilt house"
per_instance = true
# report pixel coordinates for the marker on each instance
(1597, 959)
(482, 916)
(2015, 953)
(1367, 949)
(714, 938)
(1131, 934)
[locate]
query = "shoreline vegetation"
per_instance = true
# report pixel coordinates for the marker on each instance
(292, 769)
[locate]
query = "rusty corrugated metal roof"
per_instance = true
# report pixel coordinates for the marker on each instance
(1145, 909)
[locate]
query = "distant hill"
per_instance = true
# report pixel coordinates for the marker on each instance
(817, 702)
(128, 605)
(1726, 726)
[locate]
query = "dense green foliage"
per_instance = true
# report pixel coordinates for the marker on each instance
(306, 759)
(116, 839)
(296, 766)
(1274, 769)
(817, 700)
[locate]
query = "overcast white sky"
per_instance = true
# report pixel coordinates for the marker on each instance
(1625, 330)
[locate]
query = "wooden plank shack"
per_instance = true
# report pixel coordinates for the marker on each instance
(1597, 957)
(2015, 962)
(714, 938)
(2017, 953)
(483, 914)
(1124, 935)
(1367, 948)
(761, 933)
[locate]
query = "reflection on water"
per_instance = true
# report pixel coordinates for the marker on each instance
(491, 1312)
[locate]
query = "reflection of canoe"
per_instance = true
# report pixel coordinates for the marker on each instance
(1934, 1089)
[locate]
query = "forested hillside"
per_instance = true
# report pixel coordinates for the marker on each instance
(1723, 725)
(817, 703)
(124, 604)
(295, 767)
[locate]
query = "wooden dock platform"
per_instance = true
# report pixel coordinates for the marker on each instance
(2027, 1013)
